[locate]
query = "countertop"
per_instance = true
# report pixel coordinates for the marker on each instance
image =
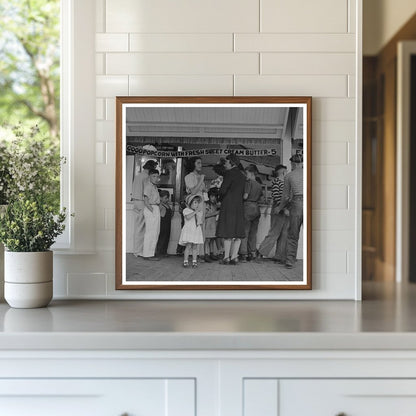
(384, 320)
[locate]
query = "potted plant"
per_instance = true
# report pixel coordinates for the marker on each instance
(28, 229)
(32, 220)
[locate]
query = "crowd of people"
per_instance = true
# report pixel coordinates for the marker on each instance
(220, 220)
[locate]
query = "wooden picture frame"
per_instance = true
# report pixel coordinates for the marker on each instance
(263, 132)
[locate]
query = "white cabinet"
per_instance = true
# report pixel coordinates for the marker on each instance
(82, 397)
(207, 383)
(348, 397)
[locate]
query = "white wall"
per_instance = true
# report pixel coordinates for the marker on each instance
(234, 47)
(381, 20)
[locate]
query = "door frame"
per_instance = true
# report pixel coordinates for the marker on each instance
(404, 51)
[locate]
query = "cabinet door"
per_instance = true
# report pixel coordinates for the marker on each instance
(347, 397)
(112, 397)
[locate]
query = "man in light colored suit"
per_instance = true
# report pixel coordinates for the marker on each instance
(137, 197)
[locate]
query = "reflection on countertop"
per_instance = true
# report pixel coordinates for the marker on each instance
(386, 309)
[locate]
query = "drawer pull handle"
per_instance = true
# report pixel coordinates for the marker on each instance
(341, 414)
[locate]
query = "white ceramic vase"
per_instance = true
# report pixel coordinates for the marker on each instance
(28, 279)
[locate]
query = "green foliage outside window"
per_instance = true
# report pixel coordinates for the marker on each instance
(30, 78)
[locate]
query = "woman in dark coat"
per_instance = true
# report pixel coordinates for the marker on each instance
(231, 219)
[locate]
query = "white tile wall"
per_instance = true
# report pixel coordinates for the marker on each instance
(313, 85)
(174, 42)
(333, 240)
(310, 63)
(351, 86)
(332, 220)
(329, 263)
(86, 284)
(300, 16)
(99, 109)
(182, 16)
(100, 64)
(100, 153)
(112, 42)
(181, 85)
(181, 63)
(333, 109)
(111, 86)
(294, 42)
(330, 196)
(232, 47)
(333, 175)
(333, 131)
(110, 109)
(330, 153)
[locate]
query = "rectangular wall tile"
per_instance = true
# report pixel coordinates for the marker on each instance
(112, 42)
(100, 15)
(99, 109)
(105, 174)
(110, 153)
(333, 175)
(181, 85)
(300, 16)
(99, 64)
(86, 284)
(314, 85)
(350, 261)
(181, 42)
(307, 63)
(330, 197)
(100, 218)
(105, 240)
(333, 131)
(60, 283)
(333, 109)
(105, 131)
(109, 219)
(100, 156)
(182, 16)
(110, 109)
(333, 240)
(283, 42)
(351, 86)
(352, 16)
(330, 153)
(111, 86)
(335, 262)
(104, 196)
(333, 219)
(260, 397)
(182, 64)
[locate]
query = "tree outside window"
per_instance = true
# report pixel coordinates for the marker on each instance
(30, 68)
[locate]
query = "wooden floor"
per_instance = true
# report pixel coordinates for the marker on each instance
(171, 269)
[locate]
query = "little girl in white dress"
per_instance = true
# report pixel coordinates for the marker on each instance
(191, 234)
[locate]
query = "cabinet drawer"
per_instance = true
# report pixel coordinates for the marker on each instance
(86, 397)
(348, 397)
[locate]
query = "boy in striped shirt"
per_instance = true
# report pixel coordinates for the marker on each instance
(279, 221)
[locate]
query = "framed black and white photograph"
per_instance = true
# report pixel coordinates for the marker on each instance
(213, 193)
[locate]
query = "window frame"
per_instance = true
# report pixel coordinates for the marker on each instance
(77, 102)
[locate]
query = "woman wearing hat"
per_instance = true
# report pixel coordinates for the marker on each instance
(231, 219)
